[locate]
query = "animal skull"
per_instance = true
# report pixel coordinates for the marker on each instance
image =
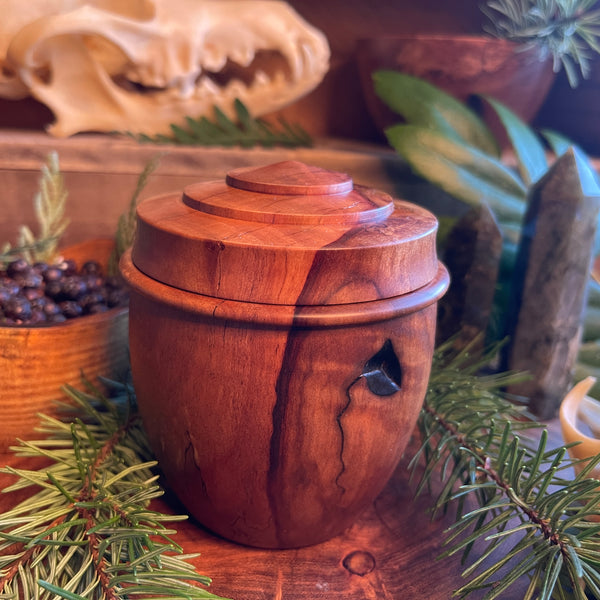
(138, 66)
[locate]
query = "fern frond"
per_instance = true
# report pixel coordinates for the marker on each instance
(246, 132)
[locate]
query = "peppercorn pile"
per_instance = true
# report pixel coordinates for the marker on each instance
(44, 294)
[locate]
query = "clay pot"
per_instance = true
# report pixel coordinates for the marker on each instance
(35, 362)
(462, 66)
(281, 334)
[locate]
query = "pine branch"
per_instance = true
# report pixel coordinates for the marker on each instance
(126, 226)
(523, 493)
(246, 132)
(49, 205)
(87, 533)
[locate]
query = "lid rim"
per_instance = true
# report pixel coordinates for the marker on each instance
(286, 250)
(289, 178)
(286, 315)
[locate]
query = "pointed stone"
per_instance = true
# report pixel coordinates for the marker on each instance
(549, 288)
(472, 255)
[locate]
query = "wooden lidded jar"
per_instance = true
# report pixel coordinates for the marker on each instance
(282, 327)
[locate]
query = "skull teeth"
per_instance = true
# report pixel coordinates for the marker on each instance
(207, 87)
(261, 78)
(242, 56)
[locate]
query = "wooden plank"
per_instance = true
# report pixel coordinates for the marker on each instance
(101, 173)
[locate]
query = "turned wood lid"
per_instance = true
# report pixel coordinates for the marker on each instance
(286, 233)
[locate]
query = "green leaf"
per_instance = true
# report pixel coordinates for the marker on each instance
(528, 148)
(421, 103)
(461, 170)
(558, 142)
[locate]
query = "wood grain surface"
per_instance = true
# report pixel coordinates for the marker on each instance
(36, 361)
(277, 433)
(258, 236)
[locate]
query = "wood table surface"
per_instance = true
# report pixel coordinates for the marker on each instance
(391, 553)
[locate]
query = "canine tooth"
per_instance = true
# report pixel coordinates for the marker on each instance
(187, 86)
(214, 61)
(235, 86)
(260, 78)
(242, 56)
(279, 78)
(207, 87)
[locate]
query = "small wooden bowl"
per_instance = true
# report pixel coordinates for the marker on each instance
(580, 422)
(35, 362)
(461, 65)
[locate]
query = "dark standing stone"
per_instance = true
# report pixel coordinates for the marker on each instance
(550, 279)
(472, 255)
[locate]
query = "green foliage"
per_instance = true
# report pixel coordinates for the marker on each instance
(568, 30)
(445, 152)
(127, 224)
(49, 205)
(461, 170)
(442, 151)
(422, 105)
(87, 531)
(516, 500)
(222, 131)
(447, 149)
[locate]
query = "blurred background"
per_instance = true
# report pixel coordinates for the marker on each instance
(337, 107)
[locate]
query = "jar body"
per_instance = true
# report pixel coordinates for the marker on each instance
(274, 434)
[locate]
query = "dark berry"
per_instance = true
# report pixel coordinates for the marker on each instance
(29, 279)
(40, 267)
(68, 266)
(33, 293)
(73, 287)
(113, 283)
(116, 297)
(17, 267)
(93, 282)
(91, 267)
(53, 273)
(5, 294)
(53, 289)
(37, 316)
(51, 308)
(89, 300)
(46, 294)
(94, 309)
(70, 309)
(10, 285)
(17, 308)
